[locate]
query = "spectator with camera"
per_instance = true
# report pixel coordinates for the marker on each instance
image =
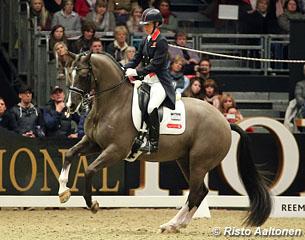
(203, 69)
(27, 118)
(57, 122)
(233, 115)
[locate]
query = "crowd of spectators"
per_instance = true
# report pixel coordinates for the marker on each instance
(191, 74)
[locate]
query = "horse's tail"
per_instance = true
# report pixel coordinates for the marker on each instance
(260, 201)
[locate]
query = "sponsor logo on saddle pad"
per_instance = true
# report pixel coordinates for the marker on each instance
(173, 121)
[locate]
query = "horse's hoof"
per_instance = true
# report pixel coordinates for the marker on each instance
(95, 207)
(64, 196)
(169, 229)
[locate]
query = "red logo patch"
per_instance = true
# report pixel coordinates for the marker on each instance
(172, 125)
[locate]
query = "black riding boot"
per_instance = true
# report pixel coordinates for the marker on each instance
(153, 132)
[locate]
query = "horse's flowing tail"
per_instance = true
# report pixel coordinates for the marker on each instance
(260, 201)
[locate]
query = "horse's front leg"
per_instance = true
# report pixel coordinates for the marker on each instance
(83, 146)
(107, 158)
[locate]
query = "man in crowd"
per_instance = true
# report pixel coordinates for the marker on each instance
(203, 69)
(26, 118)
(190, 58)
(96, 45)
(56, 120)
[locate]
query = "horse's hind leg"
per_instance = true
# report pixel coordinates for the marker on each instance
(198, 191)
(82, 146)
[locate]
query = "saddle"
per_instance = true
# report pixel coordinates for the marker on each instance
(171, 121)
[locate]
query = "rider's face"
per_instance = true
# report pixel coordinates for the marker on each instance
(148, 28)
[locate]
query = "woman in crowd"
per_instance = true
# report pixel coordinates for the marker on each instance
(170, 22)
(210, 90)
(130, 52)
(291, 12)
(226, 101)
(118, 47)
(102, 18)
(176, 71)
(134, 19)
(67, 17)
(57, 34)
(39, 11)
(83, 43)
(194, 89)
(63, 60)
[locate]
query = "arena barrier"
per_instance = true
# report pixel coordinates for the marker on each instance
(29, 169)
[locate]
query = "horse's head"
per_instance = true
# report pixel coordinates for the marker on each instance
(80, 83)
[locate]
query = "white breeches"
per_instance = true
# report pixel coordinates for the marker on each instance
(157, 93)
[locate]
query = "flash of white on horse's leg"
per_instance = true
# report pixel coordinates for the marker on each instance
(188, 217)
(177, 220)
(63, 179)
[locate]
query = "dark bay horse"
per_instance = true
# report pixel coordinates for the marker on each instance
(110, 132)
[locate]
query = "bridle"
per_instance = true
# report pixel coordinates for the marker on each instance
(86, 97)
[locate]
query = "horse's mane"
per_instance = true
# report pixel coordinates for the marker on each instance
(119, 66)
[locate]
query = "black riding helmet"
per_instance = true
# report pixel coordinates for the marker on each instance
(151, 15)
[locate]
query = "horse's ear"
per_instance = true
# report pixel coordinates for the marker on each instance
(72, 55)
(86, 57)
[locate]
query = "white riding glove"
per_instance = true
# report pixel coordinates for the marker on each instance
(131, 72)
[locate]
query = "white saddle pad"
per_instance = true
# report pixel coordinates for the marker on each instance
(173, 121)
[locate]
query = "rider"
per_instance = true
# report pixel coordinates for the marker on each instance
(153, 53)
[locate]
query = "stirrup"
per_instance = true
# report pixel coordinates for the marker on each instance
(149, 148)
